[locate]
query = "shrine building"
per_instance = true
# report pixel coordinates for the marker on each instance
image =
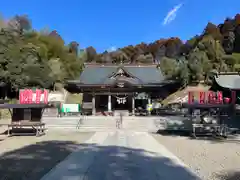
(108, 88)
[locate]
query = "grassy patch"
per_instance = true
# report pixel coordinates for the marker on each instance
(5, 114)
(74, 98)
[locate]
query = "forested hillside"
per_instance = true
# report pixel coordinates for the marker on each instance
(30, 58)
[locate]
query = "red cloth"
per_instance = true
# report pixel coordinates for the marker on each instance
(227, 100)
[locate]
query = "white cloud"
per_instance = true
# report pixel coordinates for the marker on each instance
(172, 14)
(111, 49)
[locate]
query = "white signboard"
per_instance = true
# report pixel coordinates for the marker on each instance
(70, 107)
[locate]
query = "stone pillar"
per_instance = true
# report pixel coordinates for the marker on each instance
(109, 103)
(133, 105)
(149, 102)
(93, 105)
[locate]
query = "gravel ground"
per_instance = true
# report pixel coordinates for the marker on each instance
(29, 157)
(122, 155)
(211, 160)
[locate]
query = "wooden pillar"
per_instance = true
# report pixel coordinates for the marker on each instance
(109, 103)
(93, 105)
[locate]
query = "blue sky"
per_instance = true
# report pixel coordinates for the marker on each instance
(116, 23)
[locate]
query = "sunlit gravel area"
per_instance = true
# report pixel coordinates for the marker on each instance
(211, 160)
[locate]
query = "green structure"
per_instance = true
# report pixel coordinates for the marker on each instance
(70, 108)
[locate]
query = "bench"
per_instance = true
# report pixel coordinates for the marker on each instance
(220, 130)
(38, 127)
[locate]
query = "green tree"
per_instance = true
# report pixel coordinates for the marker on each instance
(169, 67)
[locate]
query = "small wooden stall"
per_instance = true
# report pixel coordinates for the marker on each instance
(210, 113)
(25, 119)
(209, 119)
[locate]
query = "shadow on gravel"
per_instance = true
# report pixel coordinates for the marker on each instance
(107, 162)
(230, 176)
(20, 130)
(174, 133)
(31, 162)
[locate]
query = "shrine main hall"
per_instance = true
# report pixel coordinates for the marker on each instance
(108, 88)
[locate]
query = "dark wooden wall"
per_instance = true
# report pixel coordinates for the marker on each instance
(34, 114)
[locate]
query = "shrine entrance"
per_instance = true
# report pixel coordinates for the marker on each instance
(122, 102)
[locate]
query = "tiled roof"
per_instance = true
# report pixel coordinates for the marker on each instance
(99, 74)
(228, 81)
(96, 75)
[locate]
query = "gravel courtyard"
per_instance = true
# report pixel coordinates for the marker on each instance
(211, 160)
(29, 158)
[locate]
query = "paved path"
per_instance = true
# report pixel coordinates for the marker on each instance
(121, 155)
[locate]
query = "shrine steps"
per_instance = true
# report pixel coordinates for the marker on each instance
(102, 123)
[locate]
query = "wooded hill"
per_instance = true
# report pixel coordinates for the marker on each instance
(31, 58)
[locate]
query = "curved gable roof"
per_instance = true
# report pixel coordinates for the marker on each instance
(147, 74)
(231, 81)
(99, 74)
(96, 74)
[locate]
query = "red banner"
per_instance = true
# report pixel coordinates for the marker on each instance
(211, 97)
(202, 97)
(21, 97)
(28, 96)
(38, 96)
(45, 93)
(220, 97)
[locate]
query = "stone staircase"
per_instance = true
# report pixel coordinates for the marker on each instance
(88, 124)
(108, 123)
(123, 112)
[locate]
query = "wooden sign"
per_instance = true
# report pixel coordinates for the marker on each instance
(29, 96)
(210, 97)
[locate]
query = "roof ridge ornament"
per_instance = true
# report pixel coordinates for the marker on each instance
(120, 72)
(120, 84)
